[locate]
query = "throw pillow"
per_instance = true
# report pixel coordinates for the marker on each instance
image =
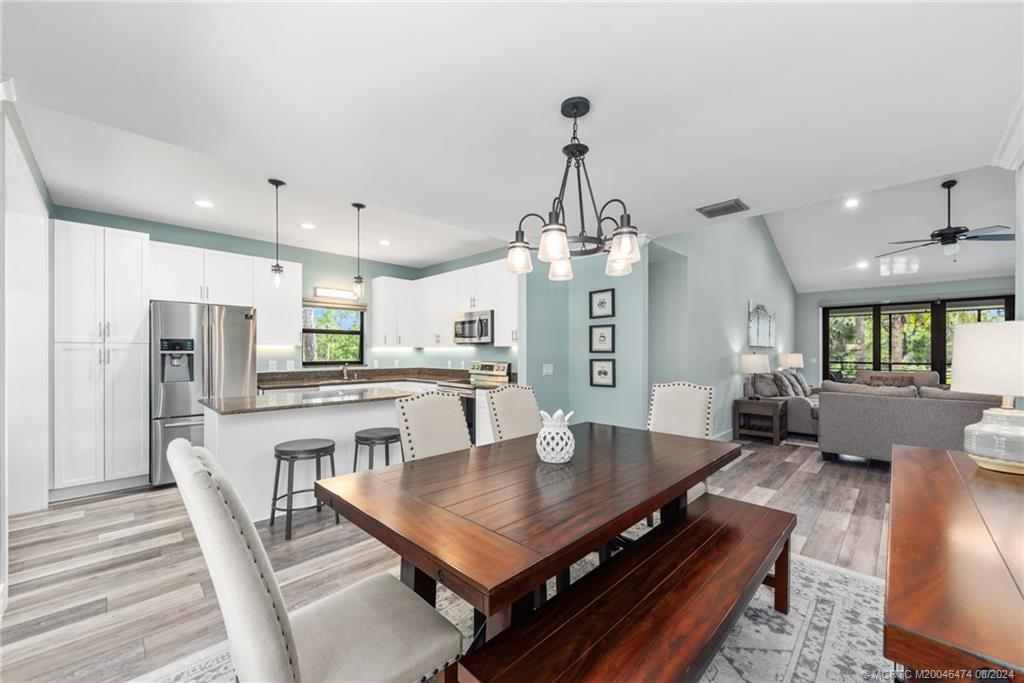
(764, 385)
(892, 380)
(803, 382)
(782, 382)
(798, 387)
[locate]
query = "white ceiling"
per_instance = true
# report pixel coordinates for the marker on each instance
(91, 166)
(449, 111)
(822, 243)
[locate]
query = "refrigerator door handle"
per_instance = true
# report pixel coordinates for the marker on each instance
(207, 380)
(173, 425)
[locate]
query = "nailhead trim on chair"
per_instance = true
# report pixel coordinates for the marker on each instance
(402, 402)
(707, 415)
(252, 556)
(494, 412)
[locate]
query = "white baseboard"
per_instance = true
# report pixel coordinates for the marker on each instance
(70, 493)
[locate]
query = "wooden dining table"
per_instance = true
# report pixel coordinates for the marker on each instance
(492, 523)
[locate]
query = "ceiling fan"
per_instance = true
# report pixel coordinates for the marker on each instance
(951, 236)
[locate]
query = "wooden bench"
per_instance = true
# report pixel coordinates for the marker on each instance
(658, 610)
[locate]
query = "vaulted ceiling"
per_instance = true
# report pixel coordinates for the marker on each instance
(444, 116)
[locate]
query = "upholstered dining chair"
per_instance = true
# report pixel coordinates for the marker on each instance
(375, 630)
(432, 423)
(514, 412)
(684, 409)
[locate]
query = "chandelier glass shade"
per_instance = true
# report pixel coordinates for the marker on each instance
(557, 246)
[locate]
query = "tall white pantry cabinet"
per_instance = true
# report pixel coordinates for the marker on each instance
(100, 354)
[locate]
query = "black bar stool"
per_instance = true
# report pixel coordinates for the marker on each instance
(290, 452)
(377, 436)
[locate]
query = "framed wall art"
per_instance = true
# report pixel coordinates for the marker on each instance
(602, 372)
(602, 303)
(602, 338)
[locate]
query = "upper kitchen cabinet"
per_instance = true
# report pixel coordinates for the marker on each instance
(176, 273)
(228, 278)
(180, 273)
(506, 307)
(100, 284)
(437, 306)
(394, 314)
(126, 297)
(475, 288)
(278, 309)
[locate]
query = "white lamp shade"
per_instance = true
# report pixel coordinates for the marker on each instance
(988, 358)
(791, 360)
(615, 268)
(625, 247)
(560, 271)
(554, 245)
(518, 259)
(751, 363)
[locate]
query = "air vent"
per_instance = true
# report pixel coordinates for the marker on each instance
(723, 208)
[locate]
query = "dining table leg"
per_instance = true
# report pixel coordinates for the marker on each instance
(671, 510)
(423, 584)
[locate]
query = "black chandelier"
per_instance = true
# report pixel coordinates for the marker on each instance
(556, 246)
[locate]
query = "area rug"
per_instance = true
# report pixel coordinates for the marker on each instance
(833, 632)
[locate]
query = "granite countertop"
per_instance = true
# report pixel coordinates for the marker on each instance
(298, 379)
(237, 405)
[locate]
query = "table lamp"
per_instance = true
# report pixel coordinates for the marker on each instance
(989, 359)
(751, 364)
(791, 360)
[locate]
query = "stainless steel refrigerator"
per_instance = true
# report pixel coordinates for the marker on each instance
(196, 350)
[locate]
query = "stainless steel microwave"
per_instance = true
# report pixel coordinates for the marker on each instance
(475, 327)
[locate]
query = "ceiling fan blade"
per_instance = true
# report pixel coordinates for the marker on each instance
(988, 230)
(991, 238)
(907, 249)
(928, 241)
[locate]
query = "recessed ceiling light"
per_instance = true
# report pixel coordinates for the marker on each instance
(852, 203)
(307, 226)
(862, 264)
(385, 243)
(203, 203)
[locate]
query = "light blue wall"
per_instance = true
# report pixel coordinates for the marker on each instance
(545, 334)
(809, 307)
(626, 403)
(319, 269)
(726, 266)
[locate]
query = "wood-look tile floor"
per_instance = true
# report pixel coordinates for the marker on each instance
(111, 589)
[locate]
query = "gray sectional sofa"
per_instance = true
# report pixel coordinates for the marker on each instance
(866, 420)
(801, 409)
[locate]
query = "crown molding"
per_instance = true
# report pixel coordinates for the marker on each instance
(1010, 151)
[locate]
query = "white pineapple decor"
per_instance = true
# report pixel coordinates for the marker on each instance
(555, 443)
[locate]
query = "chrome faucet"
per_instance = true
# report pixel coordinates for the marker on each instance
(344, 371)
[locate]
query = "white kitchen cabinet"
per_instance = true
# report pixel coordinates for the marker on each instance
(475, 287)
(278, 309)
(126, 411)
(394, 314)
(506, 308)
(77, 282)
(176, 273)
(485, 297)
(126, 289)
(438, 304)
(101, 412)
(229, 278)
(78, 414)
(100, 284)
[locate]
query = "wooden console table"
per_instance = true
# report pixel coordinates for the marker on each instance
(953, 598)
(775, 427)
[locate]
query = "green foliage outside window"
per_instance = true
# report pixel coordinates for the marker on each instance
(331, 335)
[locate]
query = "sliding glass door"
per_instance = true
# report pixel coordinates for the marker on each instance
(908, 336)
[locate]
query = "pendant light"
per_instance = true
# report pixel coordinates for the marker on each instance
(557, 246)
(277, 269)
(358, 287)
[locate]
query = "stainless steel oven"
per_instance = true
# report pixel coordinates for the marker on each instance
(475, 327)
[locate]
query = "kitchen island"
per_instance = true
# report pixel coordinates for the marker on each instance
(242, 431)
